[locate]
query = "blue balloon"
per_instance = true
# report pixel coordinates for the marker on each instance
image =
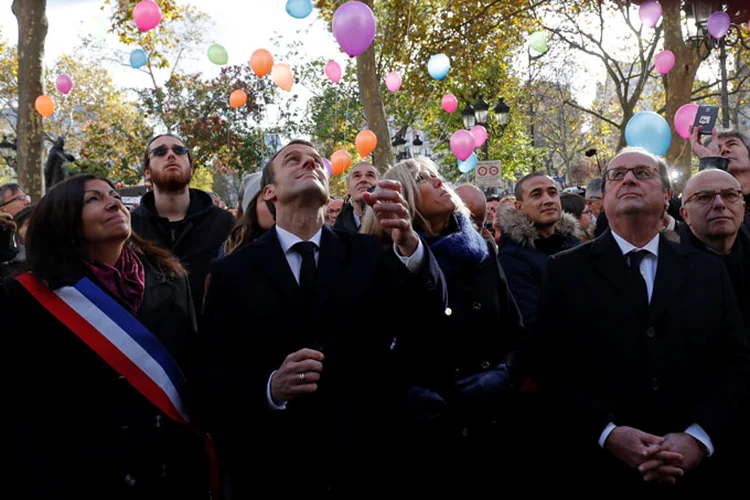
(299, 9)
(650, 131)
(138, 58)
(468, 164)
(438, 66)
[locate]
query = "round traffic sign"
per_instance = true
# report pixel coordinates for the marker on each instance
(482, 171)
(494, 170)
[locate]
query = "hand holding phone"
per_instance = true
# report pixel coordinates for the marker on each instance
(705, 119)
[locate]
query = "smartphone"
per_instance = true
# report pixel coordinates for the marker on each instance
(705, 119)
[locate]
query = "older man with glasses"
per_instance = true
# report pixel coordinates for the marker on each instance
(657, 387)
(13, 199)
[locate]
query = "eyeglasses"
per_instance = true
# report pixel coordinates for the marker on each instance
(708, 197)
(641, 172)
(21, 197)
(162, 150)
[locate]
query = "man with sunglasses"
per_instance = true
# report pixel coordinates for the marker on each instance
(648, 395)
(178, 218)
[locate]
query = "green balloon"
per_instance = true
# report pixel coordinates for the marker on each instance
(538, 41)
(218, 54)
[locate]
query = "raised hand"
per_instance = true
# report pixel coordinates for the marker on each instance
(392, 213)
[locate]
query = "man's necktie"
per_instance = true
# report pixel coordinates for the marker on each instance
(634, 261)
(307, 273)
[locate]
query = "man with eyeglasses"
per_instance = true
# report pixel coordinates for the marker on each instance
(12, 201)
(182, 220)
(727, 150)
(655, 389)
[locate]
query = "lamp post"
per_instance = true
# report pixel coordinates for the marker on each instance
(9, 151)
(399, 147)
(697, 13)
(417, 144)
(478, 114)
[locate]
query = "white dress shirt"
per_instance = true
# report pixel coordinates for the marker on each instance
(288, 240)
(648, 268)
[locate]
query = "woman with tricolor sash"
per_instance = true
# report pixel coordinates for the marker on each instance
(99, 346)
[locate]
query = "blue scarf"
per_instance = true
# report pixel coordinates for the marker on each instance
(458, 245)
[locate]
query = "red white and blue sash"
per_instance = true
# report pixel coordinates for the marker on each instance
(126, 345)
(119, 339)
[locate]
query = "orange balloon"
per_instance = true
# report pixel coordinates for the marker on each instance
(237, 98)
(45, 105)
(366, 142)
(340, 161)
(261, 61)
(282, 76)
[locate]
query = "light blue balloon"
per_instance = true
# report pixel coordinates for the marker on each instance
(650, 131)
(438, 66)
(138, 58)
(299, 9)
(468, 164)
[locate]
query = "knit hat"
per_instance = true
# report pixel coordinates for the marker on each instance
(250, 188)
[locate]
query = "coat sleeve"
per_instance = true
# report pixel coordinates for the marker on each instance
(555, 366)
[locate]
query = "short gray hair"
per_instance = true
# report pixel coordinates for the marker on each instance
(594, 188)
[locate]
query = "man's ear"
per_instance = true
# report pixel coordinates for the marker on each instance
(519, 205)
(147, 173)
(269, 193)
(684, 214)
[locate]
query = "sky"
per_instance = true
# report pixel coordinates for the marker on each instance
(241, 26)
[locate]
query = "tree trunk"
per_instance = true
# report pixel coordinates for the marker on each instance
(678, 85)
(372, 102)
(32, 31)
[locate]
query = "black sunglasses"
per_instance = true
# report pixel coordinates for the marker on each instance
(162, 150)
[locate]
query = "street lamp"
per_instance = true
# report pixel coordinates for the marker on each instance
(481, 111)
(417, 144)
(697, 13)
(467, 115)
(502, 111)
(399, 146)
(9, 151)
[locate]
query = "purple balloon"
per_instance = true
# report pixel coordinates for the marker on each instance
(718, 24)
(328, 166)
(649, 12)
(354, 27)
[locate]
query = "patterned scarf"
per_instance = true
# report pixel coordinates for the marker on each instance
(125, 281)
(457, 245)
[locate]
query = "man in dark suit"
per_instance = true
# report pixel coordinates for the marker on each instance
(650, 393)
(296, 335)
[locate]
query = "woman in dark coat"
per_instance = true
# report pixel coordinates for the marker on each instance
(458, 369)
(78, 427)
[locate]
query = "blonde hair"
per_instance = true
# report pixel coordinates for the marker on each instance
(406, 173)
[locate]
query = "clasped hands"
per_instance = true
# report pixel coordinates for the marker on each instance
(662, 459)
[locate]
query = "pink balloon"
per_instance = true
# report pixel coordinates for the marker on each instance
(462, 144)
(354, 27)
(333, 71)
(649, 12)
(64, 83)
(450, 103)
(718, 24)
(147, 15)
(664, 61)
(684, 118)
(393, 81)
(480, 135)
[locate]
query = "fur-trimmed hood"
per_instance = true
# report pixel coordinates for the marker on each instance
(521, 230)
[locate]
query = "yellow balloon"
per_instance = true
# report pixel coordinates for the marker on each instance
(282, 76)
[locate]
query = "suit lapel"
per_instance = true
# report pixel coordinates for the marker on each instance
(269, 256)
(671, 273)
(610, 263)
(330, 264)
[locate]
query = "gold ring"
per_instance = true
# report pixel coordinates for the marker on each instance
(302, 377)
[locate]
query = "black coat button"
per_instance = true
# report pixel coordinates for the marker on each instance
(655, 384)
(651, 333)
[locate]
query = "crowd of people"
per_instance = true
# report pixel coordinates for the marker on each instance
(411, 338)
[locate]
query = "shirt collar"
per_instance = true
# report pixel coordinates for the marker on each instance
(288, 239)
(625, 247)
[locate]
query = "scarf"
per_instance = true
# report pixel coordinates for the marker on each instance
(125, 281)
(458, 245)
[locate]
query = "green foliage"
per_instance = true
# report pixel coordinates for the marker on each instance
(202, 179)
